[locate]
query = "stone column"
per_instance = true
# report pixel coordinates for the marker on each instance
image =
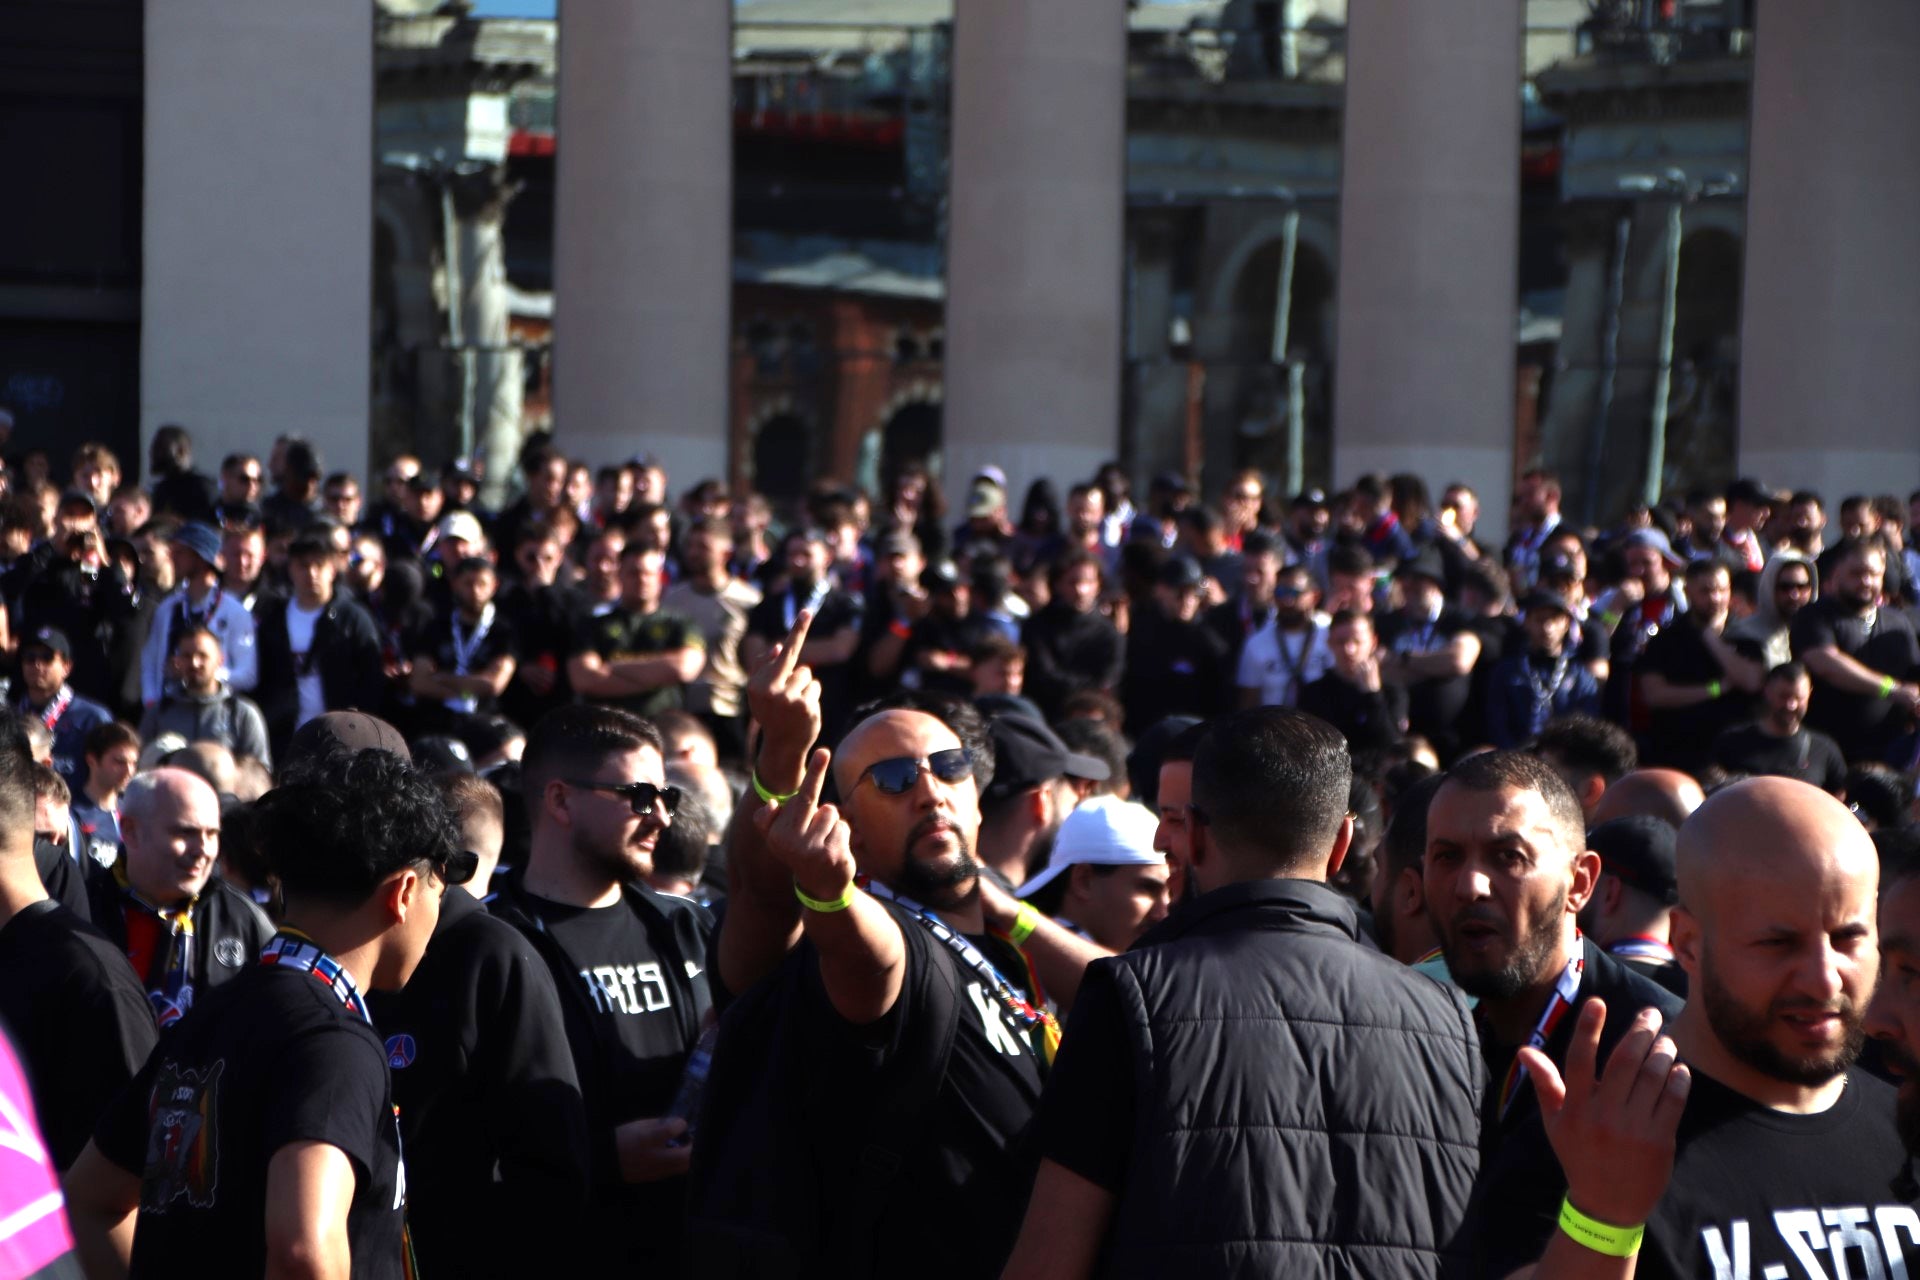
(256, 289)
(643, 233)
(1429, 246)
(1830, 336)
(1034, 257)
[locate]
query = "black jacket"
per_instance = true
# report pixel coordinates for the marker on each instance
(1521, 1185)
(490, 1111)
(346, 651)
(1306, 1105)
(1068, 652)
(228, 929)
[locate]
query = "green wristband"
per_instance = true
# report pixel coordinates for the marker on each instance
(1713, 688)
(826, 906)
(1024, 923)
(770, 797)
(1601, 1237)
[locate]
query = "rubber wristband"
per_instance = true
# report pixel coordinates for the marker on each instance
(825, 906)
(899, 628)
(1601, 1237)
(1713, 688)
(1610, 618)
(760, 789)
(1025, 921)
(1887, 685)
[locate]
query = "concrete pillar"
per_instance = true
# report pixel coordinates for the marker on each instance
(1034, 242)
(1830, 337)
(1429, 246)
(256, 289)
(643, 233)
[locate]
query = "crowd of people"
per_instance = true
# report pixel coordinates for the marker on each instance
(630, 882)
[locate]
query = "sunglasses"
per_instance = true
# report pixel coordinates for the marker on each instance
(643, 796)
(902, 773)
(460, 867)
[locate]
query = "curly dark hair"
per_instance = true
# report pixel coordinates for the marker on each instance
(957, 714)
(350, 822)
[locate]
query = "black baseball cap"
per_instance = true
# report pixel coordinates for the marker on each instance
(1180, 571)
(1640, 851)
(348, 731)
(1027, 753)
(50, 638)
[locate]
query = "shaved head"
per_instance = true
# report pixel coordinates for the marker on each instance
(1666, 794)
(1775, 928)
(1774, 829)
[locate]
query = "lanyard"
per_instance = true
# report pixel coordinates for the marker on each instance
(1021, 1014)
(1640, 947)
(1565, 992)
(292, 949)
(813, 601)
(464, 650)
(201, 617)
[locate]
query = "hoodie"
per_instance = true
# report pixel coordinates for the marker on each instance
(222, 716)
(1765, 626)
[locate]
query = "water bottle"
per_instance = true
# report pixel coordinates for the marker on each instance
(693, 1083)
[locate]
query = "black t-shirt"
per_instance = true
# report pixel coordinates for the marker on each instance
(620, 634)
(1434, 705)
(1085, 1121)
(836, 612)
(1682, 737)
(1172, 668)
(1862, 723)
(437, 641)
(1758, 1192)
(267, 1060)
(978, 1163)
(78, 1016)
(937, 634)
(1809, 755)
(1369, 721)
(632, 999)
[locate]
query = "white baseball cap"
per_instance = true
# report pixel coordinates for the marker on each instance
(1105, 830)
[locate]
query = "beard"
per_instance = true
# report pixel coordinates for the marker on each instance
(944, 885)
(1743, 1030)
(611, 857)
(1523, 968)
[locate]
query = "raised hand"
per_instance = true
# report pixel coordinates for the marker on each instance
(809, 838)
(784, 697)
(1614, 1135)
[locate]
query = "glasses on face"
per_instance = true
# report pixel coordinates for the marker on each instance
(250, 478)
(459, 867)
(901, 774)
(1795, 587)
(647, 800)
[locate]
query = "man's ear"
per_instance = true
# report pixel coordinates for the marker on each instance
(401, 893)
(1408, 901)
(1591, 790)
(1586, 874)
(1342, 842)
(1684, 936)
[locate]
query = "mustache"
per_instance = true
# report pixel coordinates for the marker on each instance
(928, 826)
(1478, 915)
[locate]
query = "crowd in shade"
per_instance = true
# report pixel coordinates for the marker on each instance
(642, 880)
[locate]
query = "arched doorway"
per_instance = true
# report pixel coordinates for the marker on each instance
(912, 434)
(781, 458)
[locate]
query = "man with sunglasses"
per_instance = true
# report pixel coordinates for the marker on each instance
(908, 1012)
(630, 965)
(260, 1137)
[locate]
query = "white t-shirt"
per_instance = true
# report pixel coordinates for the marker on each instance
(1278, 663)
(300, 624)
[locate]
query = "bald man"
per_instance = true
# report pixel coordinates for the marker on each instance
(184, 928)
(1787, 1160)
(1507, 871)
(1666, 794)
(904, 1000)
